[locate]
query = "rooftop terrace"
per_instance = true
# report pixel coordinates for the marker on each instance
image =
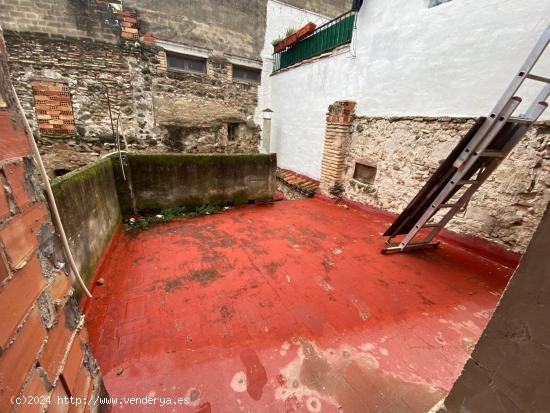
(286, 307)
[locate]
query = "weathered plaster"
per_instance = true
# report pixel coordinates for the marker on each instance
(406, 151)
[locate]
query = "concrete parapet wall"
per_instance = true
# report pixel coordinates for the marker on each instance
(164, 181)
(88, 204)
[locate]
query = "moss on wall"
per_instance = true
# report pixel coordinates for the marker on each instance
(89, 208)
(170, 180)
(90, 199)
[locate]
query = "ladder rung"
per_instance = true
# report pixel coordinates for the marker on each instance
(492, 154)
(522, 121)
(468, 182)
(538, 78)
(432, 225)
(445, 206)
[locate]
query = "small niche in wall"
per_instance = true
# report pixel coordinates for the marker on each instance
(232, 131)
(61, 172)
(364, 172)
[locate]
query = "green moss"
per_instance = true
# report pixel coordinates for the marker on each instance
(89, 268)
(79, 175)
(167, 159)
(80, 194)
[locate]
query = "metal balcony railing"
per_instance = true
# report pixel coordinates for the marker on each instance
(326, 37)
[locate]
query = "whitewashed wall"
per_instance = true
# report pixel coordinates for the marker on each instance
(280, 17)
(451, 60)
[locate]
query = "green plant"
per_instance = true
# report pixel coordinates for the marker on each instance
(205, 210)
(168, 214)
(276, 41)
(290, 31)
(337, 190)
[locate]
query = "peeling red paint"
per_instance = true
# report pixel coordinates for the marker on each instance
(286, 272)
(256, 376)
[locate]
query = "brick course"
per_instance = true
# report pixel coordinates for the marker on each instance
(337, 135)
(19, 234)
(18, 359)
(15, 175)
(13, 304)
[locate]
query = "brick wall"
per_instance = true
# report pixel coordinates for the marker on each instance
(337, 136)
(43, 343)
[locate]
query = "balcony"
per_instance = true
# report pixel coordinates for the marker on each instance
(327, 37)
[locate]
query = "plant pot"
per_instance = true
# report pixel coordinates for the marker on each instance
(294, 37)
(305, 30)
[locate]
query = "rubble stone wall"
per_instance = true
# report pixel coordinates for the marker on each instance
(407, 150)
(157, 110)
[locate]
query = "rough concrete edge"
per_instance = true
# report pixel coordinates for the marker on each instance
(81, 173)
(172, 155)
(59, 185)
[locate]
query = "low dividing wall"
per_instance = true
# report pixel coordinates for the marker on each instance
(164, 181)
(88, 205)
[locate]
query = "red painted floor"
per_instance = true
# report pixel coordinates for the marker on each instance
(287, 307)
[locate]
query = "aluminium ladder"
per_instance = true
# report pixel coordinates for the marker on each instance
(478, 154)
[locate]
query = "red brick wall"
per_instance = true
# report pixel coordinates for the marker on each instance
(43, 344)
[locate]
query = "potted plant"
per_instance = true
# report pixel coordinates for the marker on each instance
(292, 36)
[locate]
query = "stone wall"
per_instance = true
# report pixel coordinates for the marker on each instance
(192, 111)
(92, 48)
(44, 348)
(168, 180)
(160, 110)
(406, 151)
(233, 26)
(88, 205)
(508, 369)
(73, 18)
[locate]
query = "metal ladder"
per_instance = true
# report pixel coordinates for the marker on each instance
(477, 161)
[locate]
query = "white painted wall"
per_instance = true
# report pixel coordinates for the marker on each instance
(280, 17)
(455, 59)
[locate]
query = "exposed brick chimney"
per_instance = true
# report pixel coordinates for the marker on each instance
(337, 135)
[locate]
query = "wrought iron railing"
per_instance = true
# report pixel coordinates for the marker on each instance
(326, 37)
